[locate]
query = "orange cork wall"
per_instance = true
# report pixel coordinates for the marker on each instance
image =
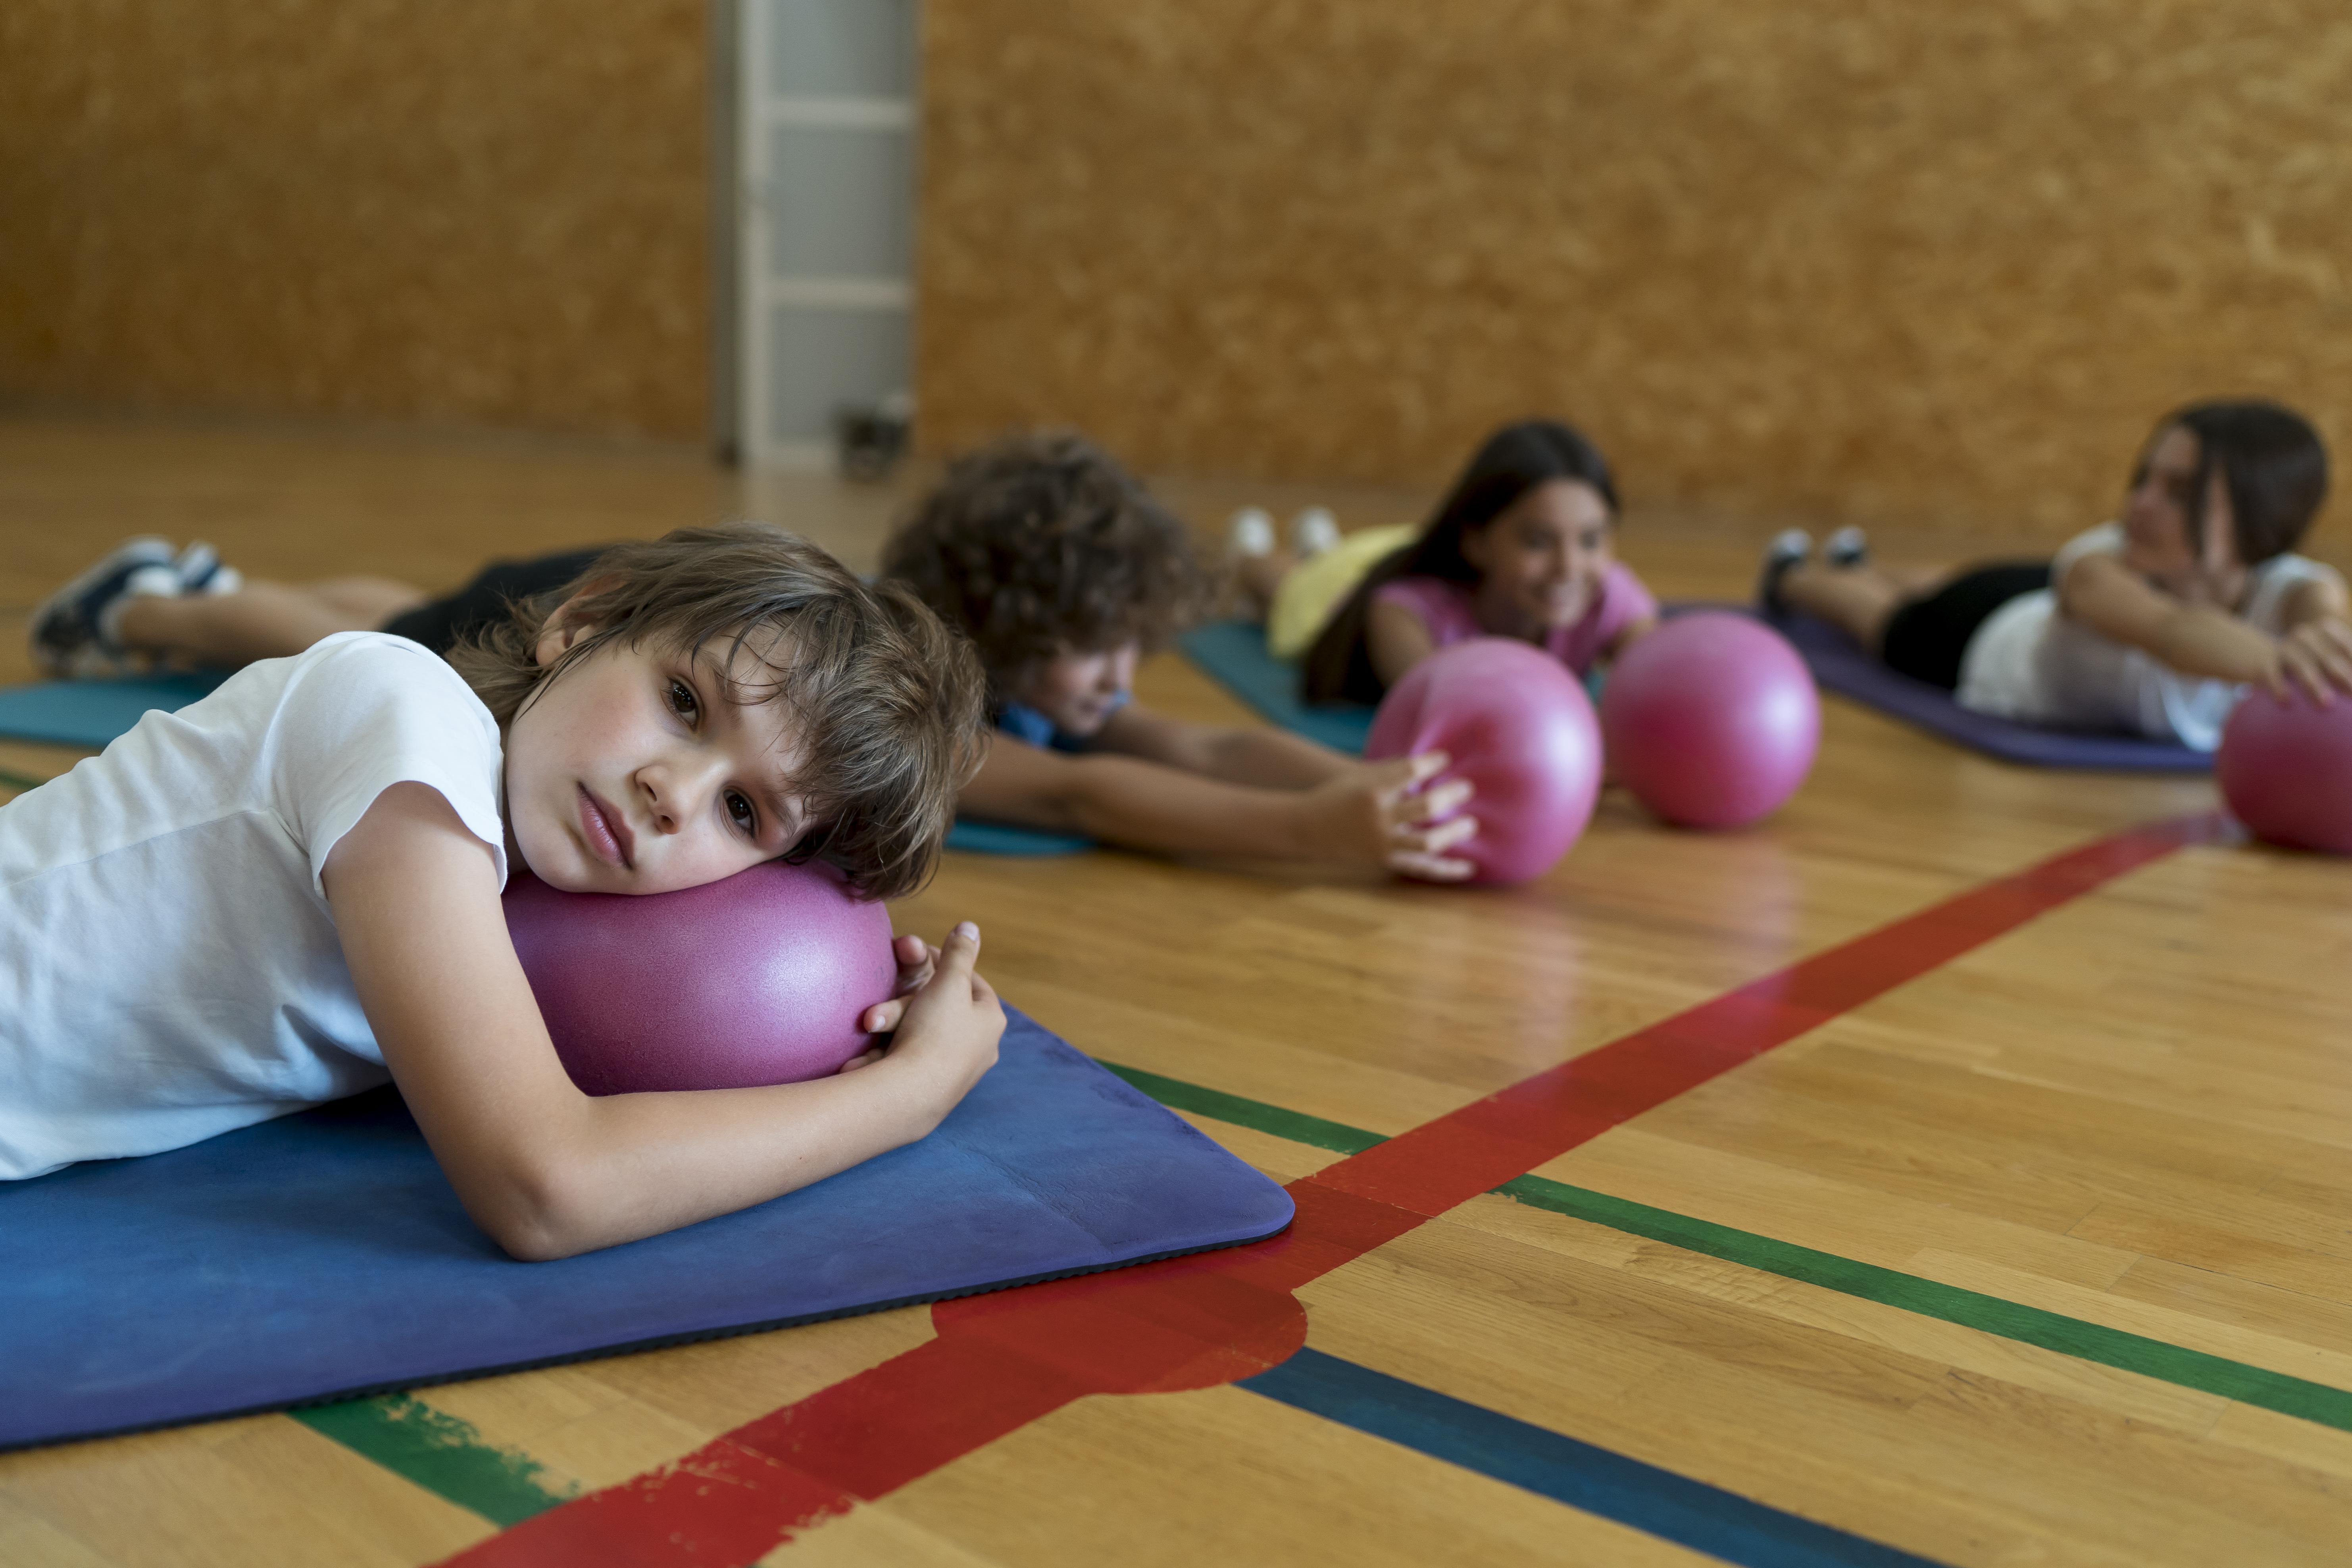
(494, 212)
(1937, 263)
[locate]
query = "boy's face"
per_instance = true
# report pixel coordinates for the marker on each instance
(1080, 691)
(632, 773)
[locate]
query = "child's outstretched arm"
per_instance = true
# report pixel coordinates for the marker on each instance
(1241, 754)
(1369, 813)
(2206, 640)
(546, 1170)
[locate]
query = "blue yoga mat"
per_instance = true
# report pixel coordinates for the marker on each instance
(323, 1256)
(1841, 665)
(1004, 839)
(1233, 654)
(93, 712)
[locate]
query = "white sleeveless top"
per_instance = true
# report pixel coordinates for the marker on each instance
(2032, 662)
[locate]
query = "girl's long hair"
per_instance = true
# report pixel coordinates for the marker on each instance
(2272, 463)
(1513, 461)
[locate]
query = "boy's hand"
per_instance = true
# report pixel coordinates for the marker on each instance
(2317, 656)
(916, 960)
(952, 1021)
(1380, 813)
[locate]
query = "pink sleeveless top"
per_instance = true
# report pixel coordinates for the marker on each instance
(1446, 610)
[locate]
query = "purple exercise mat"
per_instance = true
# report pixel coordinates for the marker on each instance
(1840, 665)
(323, 1256)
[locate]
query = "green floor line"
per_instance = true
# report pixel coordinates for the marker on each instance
(437, 1451)
(2299, 1397)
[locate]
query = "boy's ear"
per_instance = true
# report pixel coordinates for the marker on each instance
(567, 622)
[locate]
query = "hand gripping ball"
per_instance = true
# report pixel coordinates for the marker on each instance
(1711, 719)
(2286, 768)
(1519, 727)
(756, 979)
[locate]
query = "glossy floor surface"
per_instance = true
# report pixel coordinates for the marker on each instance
(2018, 1232)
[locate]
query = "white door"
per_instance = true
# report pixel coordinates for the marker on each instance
(826, 113)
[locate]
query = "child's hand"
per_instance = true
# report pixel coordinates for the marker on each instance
(949, 1023)
(1380, 813)
(916, 960)
(2316, 655)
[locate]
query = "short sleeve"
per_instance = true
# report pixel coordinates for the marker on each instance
(1441, 607)
(367, 711)
(1625, 600)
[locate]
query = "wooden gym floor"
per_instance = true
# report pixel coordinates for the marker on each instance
(2004, 1216)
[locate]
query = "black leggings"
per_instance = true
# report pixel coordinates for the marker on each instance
(1926, 637)
(444, 623)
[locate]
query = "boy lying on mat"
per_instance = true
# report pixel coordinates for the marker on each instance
(289, 890)
(1064, 570)
(2150, 625)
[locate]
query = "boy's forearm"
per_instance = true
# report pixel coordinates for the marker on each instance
(1124, 800)
(1272, 759)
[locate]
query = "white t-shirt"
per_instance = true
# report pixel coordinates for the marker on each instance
(169, 968)
(2032, 662)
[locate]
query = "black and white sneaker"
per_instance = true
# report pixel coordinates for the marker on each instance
(1790, 547)
(1847, 548)
(202, 570)
(71, 633)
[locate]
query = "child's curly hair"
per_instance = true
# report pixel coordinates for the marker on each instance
(1040, 543)
(891, 701)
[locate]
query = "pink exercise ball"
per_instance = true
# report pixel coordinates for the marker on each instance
(757, 979)
(1517, 725)
(1711, 720)
(2286, 768)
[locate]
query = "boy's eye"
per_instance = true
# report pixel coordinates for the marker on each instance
(682, 700)
(739, 811)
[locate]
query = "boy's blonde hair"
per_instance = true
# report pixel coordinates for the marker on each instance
(890, 701)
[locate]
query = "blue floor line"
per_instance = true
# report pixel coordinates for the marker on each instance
(1674, 1508)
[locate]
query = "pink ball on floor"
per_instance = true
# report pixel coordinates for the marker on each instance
(2286, 768)
(1519, 727)
(1711, 720)
(757, 979)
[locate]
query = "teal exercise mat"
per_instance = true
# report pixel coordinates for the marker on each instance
(93, 712)
(1004, 839)
(1233, 654)
(324, 1256)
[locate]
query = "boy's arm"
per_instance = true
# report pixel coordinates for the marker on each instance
(1270, 758)
(546, 1170)
(1368, 814)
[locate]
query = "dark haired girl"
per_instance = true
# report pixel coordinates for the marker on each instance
(2149, 625)
(1521, 547)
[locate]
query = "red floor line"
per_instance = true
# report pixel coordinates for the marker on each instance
(1002, 1361)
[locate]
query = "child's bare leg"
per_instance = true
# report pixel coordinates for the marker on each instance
(1259, 577)
(377, 599)
(1857, 599)
(261, 620)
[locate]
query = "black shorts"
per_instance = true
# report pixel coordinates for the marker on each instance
(1927, 637)
(444, 623)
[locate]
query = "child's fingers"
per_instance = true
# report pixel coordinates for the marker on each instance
(884, 1016)
(1431, 867)
(863, 1059)
(1427, 765)
(1398, 780)
(910, 949)
(1432, 804)
(960, 951)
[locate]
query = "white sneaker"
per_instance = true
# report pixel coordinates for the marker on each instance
(1313, 531)
(202, 570)
(1790, 547)
(1848, 547)
(69, 633)
(1250, 532)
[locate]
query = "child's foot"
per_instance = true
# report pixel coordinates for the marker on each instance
(1313, 531)
(202, 570)
(1790, 547)
(1251, 532)
(1847, 548)
(73, 632)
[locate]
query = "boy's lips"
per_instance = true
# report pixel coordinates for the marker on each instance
(606, 831)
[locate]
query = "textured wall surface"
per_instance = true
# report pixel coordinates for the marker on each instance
(472, 210)
(1842, 257)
